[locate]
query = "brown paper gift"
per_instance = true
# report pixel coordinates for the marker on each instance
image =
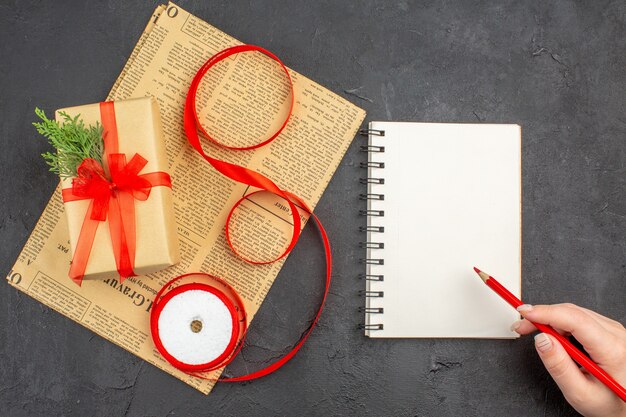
(139, 131)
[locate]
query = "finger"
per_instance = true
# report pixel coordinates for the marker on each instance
(524, 326)
(562, 368)
(581, 325)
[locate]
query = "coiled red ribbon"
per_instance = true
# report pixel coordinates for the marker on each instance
(227, 295)
(113, 198)
(243, 175)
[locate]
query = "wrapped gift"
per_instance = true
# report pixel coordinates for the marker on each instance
(120, 214)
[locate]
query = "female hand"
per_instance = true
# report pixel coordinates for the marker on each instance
(605, 341)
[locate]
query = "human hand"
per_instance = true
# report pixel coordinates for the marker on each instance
(605, 341)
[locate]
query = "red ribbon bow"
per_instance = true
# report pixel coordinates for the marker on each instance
(113, 199)
(91, 182)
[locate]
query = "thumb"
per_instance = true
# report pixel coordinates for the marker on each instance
(563, 369)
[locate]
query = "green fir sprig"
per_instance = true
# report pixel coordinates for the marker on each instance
(72, 140)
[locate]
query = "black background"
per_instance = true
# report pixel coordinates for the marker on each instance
(556, 68)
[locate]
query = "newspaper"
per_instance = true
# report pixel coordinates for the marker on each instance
(301, 160)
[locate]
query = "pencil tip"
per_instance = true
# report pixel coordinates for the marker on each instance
(481, 274)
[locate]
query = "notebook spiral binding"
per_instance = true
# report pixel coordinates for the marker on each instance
(371, 312)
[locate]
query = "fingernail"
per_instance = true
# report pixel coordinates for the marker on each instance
(525, 308)
(516, 325)
(543, 343)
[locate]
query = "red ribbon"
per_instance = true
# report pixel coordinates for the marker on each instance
(254, 179)
(113, 199)
(235, 172)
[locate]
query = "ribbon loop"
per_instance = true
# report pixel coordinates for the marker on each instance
(91, 183)
(235, 172)
(125, 176)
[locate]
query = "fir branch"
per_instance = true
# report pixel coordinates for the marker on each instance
(72, 140)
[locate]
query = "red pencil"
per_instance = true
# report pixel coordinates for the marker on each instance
(576, 354)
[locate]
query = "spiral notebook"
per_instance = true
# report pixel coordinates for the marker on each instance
(441, 198)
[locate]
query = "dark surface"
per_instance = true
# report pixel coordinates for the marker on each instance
(556, 68)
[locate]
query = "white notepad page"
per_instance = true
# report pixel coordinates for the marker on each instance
(452, 201)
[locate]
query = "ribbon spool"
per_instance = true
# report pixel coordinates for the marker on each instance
(198, 326)
(169, 303)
